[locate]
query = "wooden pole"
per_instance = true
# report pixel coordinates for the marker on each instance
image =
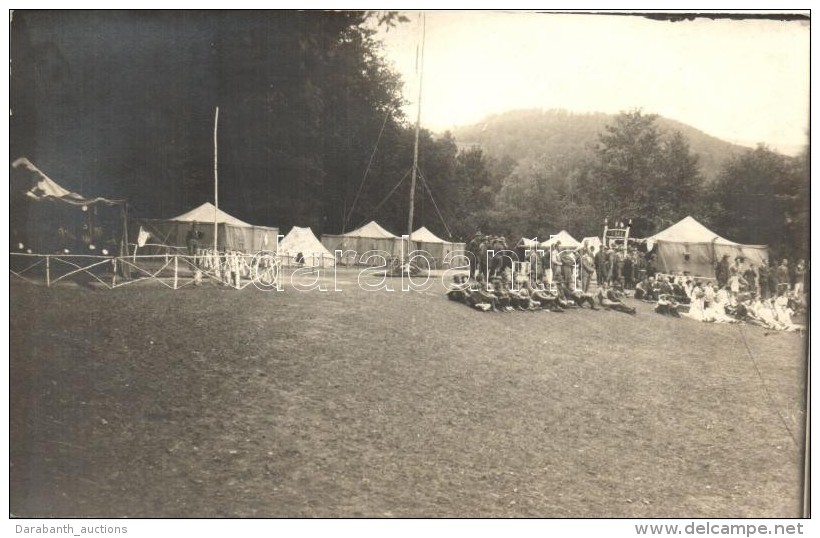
(216, 179)
(48, 271)
(418, 123)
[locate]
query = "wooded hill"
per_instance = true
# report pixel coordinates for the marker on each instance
(538, 134)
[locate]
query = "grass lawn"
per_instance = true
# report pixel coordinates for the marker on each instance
(212, 402)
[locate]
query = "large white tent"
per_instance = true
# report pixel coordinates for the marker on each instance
(232, 233)
(689, 246)
(208, 213)
(435, 247)
(356, 246)
(302, 240)
(592, 241)
(567, 241)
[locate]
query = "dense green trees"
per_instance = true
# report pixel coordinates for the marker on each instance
(640, 173)
(762, 198)
(311, 133)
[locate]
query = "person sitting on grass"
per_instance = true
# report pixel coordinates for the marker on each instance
(784, 313)
(719, 308)
(517, 300)
(479, 294)
(611, 299)
(663, 286)
(576, 298)
(561, 297)
(667, 306)
(525, 299)
(679, 291)
(548, 300)
(459, 290)
(763, 312)
(645, 290)
(502, 295)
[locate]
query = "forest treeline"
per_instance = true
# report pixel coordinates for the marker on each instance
(311, 133)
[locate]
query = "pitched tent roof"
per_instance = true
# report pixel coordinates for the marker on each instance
(424, 235)
(302, 240)
(526, 242)
(371, 230)
(689, 246)
(205, 215)
(563, 236)
(592, 241)
(688, 230)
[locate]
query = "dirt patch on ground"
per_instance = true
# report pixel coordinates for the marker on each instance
(212, 402)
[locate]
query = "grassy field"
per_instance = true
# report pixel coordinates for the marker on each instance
(212, 402)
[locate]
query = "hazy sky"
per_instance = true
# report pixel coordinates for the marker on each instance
(743, 81)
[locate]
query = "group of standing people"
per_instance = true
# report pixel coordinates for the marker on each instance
(768, 281)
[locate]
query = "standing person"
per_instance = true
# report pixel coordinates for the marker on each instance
(799, 277)
(569, 263)
(600, 265)
(192, 239)
(587, 268)
(618, 275)
(738, 265)
(474, 248)
(782, 278)
(763, 279)
(751, 278)
(773, 279)
(736, 282)
(629, 270)
(555, 261)
(640, 267)
(651, 269)
(722, 271)
(611, 266)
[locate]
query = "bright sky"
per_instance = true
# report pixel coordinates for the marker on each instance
(743, 81)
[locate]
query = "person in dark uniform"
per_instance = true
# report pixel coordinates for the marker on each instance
(722, 271)
(192, 239)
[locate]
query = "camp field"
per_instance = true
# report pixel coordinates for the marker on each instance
(213, 402)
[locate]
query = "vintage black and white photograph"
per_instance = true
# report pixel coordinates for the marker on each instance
(408, 264)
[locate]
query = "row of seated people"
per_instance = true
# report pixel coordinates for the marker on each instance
(500, 296)
(650, 289)
(709, 303)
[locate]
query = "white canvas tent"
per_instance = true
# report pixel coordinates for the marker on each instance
(207, 213)
(689, 246)
(355, 244)
(567, 241)
(437, 248)
(593, 241)
(232, 233)
(303, 240)
(527, 243)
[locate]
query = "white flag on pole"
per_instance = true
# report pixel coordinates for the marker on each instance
(143, 236)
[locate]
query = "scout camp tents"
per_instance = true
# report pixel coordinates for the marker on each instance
(359, 245)
(303, 241)
(232, 233)
(689, 246)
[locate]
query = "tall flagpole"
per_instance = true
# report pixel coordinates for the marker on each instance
(418, 122)
(216, 181)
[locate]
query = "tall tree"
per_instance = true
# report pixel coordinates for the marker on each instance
(760, 198)
(639, 172)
